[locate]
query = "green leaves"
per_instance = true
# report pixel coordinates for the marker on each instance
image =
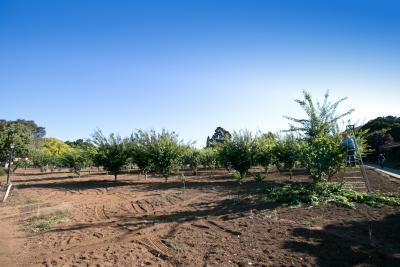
(315, 194)
(239, 152)
(112, 152)
(324, 154)
(162, 152)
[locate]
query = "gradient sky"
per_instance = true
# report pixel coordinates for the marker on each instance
(190, 66)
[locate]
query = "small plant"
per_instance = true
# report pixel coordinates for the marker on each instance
(44, 223)
(182, 177)
(259, 177)
(315, 194)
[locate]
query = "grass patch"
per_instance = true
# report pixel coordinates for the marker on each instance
(44, 223)
(315, 194)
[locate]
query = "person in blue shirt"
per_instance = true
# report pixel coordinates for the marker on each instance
(348, 143)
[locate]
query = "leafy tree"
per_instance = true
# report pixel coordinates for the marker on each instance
(264, 153)
(324, 154)
(17, 133)
(77, 159)
(166, 151)
(191, 157)
(42, 159)
(219, 137)
(139, 150)
(287, 152)
(112, 152)
(390, 125)
(55, 146)
(209, 157)
(240, 152)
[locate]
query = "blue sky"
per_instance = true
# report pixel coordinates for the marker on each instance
(190, 66)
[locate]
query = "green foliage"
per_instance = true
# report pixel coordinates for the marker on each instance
(191, 157)
(287, 152)
(220, 136)
(112, 152)
(166, 152)
(324, 154)
(264, 150)
(77, 159)
(390, 123)
(315, 194)
(209, 157)
(321, 118)
(19, 133)
(2, 171)
(259, 177)
(139, 150)
(43, 159)
(239, 152)
(45, 223)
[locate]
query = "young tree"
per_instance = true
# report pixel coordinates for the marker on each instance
(209, 158)
(324, 154)
(139, 151)
(240, 152)
(264, 153)
(76, 159)
(287, 152)
(112, 152)
(191, 157)
(42, 159)
(166, 151)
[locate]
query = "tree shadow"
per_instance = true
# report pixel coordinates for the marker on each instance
(365, 243)
(226, 209)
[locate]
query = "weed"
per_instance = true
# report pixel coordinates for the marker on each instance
(44, 223)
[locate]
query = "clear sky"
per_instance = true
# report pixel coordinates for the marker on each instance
(190, 66)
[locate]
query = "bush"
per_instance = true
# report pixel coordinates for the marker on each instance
(287, 152)
(165, 151)
(191, 157)
(264, 150)
(209, 157)
(239, 152)
(76, 159)
(315, 194)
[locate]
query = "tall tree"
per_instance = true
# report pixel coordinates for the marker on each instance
(220, 136)
(324, 154)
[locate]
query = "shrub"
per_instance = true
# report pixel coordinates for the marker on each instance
(239, 152)
(264, 150)
(209, 157)
(191, 157)
(287, 152)
(166, 152)
(76, 159)
(315, 194)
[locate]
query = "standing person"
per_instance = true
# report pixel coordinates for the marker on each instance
(381, 160)
(348, 143)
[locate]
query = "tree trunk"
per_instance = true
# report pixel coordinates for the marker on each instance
(145, 176)
(115, 178)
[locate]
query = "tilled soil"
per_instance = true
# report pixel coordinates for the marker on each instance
(212, 222)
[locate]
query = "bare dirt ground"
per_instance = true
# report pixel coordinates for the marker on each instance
(213, 222)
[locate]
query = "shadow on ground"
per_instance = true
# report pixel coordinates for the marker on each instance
(365, 243)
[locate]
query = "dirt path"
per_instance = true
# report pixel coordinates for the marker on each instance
(214, 222)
